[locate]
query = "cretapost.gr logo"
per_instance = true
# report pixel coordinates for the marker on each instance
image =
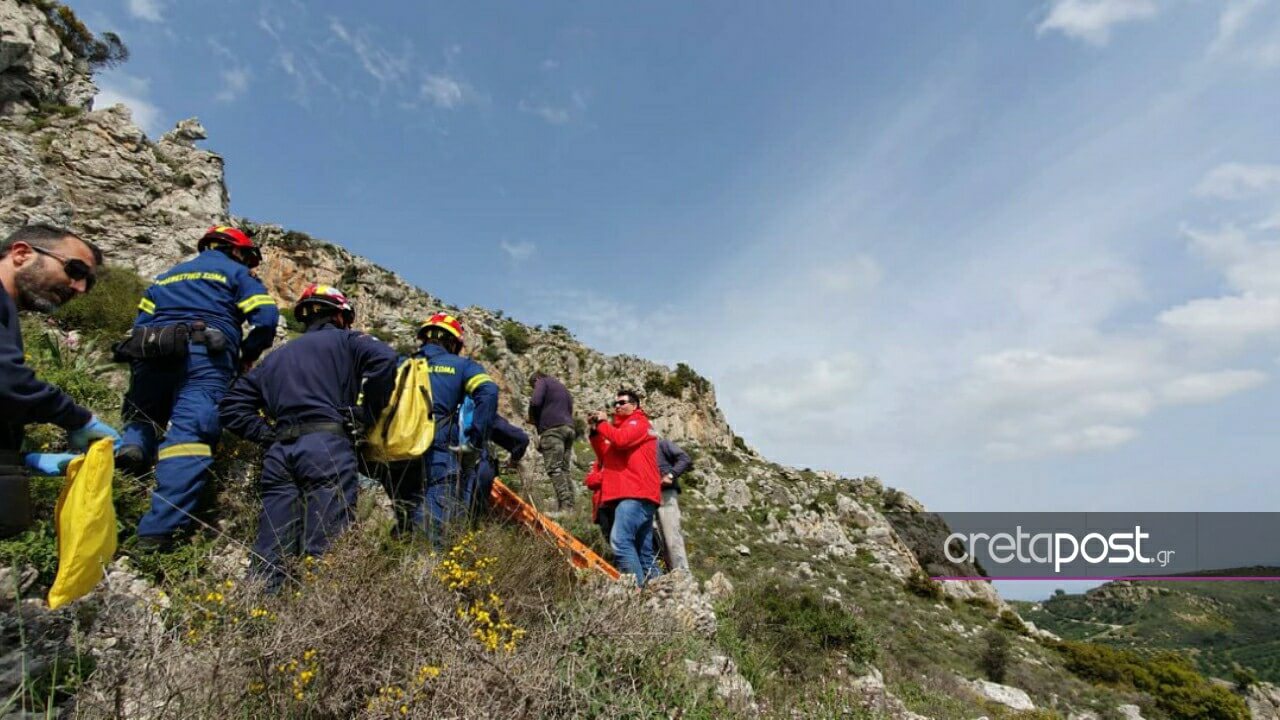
(1054, 548)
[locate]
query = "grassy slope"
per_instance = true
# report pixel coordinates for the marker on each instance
(1217, 623)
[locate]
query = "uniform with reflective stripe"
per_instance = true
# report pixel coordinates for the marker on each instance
(180, 396)
(428, 490)
(216, 289)
(308, 484)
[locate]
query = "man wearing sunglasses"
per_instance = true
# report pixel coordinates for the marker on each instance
(630, 486)
(41, 267)
(184, 351)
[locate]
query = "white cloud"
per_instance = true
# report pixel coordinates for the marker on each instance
(1229, 320)
(381, 64)
(1210, 386)
(149, 10)
(518, 251)
(860, 273)
(120, 89)
(1092, 20)
(443, 91)
(813, 386)
(234, 84)
(1094, 437)
(1234, 181)
(550, 113)
(1248, 33)
(1235, 15)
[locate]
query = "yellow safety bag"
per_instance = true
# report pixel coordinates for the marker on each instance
(86, 523)
(406, 427)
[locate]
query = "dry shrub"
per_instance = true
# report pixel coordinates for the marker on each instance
(374, 630)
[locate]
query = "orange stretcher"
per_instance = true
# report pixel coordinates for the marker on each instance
(518, 509)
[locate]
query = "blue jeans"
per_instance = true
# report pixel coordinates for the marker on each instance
(632, 539)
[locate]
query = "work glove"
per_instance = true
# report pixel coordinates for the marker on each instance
(95, 429)
(48, 463)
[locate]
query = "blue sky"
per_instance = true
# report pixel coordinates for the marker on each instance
(1003, 255)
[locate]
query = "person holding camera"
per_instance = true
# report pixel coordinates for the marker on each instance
(630, 486)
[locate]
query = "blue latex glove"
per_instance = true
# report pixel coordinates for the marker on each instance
(80, 439)
(48, 463)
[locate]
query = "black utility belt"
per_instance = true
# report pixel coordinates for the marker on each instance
(292, 432)
(154, 342)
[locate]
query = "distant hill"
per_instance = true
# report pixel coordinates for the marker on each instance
(1217, 623)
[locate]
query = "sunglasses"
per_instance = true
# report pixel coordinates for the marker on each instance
(75, 268)
(620, 403)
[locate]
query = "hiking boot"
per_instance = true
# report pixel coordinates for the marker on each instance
(131, 459)
(154, 543)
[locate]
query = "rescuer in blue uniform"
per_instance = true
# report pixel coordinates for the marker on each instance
(478, 476)
(184, 351)
(310, 388)
(433, 488)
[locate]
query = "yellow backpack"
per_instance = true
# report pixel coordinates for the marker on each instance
(406, 427)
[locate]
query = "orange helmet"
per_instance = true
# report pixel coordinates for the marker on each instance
(231, 237)
(444, 321)
(318, 297)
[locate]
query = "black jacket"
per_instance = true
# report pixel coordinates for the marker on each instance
(24, 397)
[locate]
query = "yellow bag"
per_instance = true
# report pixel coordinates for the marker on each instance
(86, 523)
(406, 427)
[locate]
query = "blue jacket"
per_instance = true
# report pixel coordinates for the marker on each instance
(503, 433)
(24, 397)
(509, 438)
(317, 377)
(673, 461)
(218, 290)
(452, 379)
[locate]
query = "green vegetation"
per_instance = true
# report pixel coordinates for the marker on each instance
(785, 637)
(1176, 688)
(490, 353)
(516, 336)
(994, 660)
(924, 586)
(1220, 625)
(674, 384)
(100, 51)
(107, 313)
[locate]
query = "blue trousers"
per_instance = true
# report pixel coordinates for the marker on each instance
(479, 485)
(309, 486)
(182, 394)
(428, 494)
(631, 538)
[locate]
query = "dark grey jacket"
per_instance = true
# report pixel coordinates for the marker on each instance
(673, 461)
(551, 404)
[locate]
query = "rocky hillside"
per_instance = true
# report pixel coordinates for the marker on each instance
(806, 602)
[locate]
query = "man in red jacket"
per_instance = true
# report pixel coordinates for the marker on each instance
(630, 485)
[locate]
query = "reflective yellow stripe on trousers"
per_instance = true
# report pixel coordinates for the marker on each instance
(186, 450)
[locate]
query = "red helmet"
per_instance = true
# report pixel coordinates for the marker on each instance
(319, 297)
(232, 237)
(444, 321)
